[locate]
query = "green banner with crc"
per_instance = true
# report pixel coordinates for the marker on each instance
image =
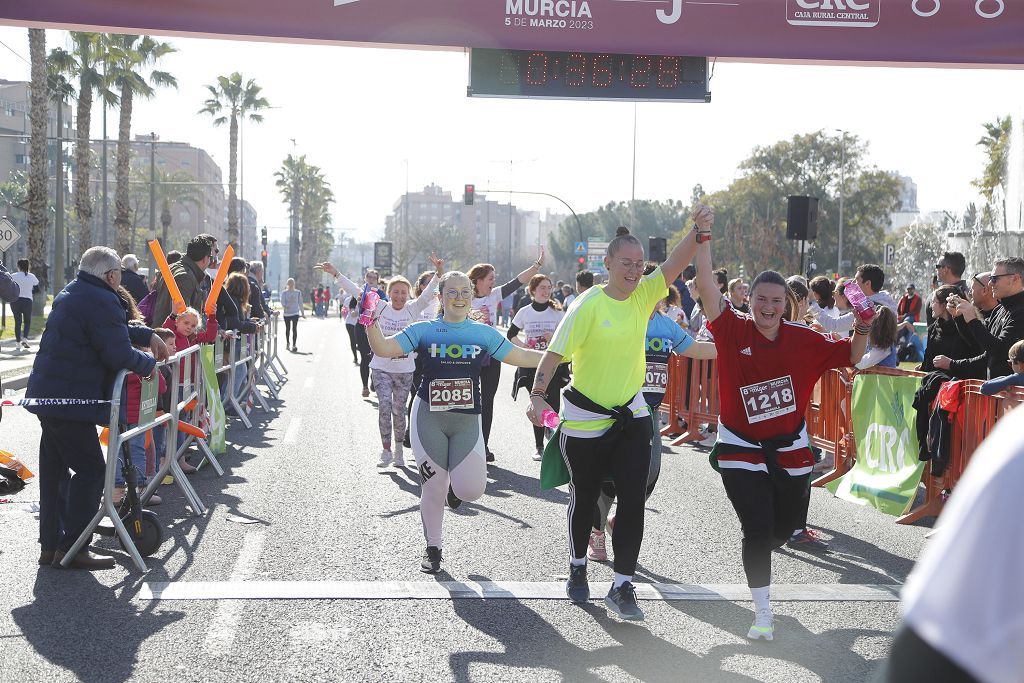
(887, 472)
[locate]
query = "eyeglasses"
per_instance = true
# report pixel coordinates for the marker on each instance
(455, 294)
(631, 265)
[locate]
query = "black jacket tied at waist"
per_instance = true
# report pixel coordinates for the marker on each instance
(621, 414)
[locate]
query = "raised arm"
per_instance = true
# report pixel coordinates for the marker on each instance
(523, 277)
(429, 294)
(703, 218)
(711, 300)
(386, 347)
(347, 285)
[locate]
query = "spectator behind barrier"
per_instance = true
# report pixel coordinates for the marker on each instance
(130, 278)
(949, 270)
(1005, 325)
(881, 349)
(943, 338)
(975, 367)
(260, 308)
(871, 279)
(190, 274)
(909, 308)
(994, 386)
(86, 342)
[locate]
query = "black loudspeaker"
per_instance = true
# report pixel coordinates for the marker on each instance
(802, 218)
(656, 250)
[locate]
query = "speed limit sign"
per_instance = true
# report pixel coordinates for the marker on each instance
(9, 235)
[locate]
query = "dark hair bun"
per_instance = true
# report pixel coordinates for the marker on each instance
(621, 231)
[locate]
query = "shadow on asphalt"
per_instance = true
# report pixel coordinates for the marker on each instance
(104, 622)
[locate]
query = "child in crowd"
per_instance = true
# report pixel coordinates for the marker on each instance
(137, 444)
(185, 325)
(994, 386)
(882, 340)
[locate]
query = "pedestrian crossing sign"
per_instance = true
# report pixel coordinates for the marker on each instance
(581, 248)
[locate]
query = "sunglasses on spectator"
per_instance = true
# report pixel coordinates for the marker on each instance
(995, 276)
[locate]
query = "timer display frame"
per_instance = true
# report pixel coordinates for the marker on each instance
(550, 74)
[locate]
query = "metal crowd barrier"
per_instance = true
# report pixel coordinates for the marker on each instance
(184, 360)
(274, 363)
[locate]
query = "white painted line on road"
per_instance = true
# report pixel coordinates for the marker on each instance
(527, 590)
(308, 384)
(291, 435)
(221, 633)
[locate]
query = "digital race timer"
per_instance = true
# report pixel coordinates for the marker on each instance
(588, 75)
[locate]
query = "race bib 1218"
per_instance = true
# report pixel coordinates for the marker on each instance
(770, 399)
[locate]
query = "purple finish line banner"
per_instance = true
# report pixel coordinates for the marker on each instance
(899, 31)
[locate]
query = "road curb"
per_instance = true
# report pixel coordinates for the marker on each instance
(17, 382)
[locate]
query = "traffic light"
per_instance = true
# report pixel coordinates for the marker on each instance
(263, 257)
(263, 234)
(467, 195)
(581, 263)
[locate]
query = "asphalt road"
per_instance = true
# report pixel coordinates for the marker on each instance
(302, 500)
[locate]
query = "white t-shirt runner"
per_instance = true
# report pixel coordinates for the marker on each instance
(488, 305)
(535, 324)
(392, 321)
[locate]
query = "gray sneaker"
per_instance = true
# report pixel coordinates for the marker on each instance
(622, 601)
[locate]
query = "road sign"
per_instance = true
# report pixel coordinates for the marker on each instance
(581, 248)
(889, 255)
(9, 235)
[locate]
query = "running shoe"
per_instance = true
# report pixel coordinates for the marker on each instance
(807, 540)
(385, 458)
(490, 456)
(24, 344)
(622, 601)
(577, 587)
(431, 562)
(453, 501)
(539, 455)
(596, 549)
(710, 440)
(399, 458)
(763, 627)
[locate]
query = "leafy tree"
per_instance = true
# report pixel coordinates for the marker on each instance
(996, 142)
(37, 177)
(130, 58)
(233, 100)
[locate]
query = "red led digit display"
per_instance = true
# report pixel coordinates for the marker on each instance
(564, 75)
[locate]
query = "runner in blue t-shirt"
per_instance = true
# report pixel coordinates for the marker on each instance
(447, 438)
(664, 337)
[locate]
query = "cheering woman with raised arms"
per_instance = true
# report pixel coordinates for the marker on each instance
(767, 369)
(606, 427)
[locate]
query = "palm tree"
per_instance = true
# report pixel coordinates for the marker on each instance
(304, 188)
(996, 142)
(230, 101)
(85, 62)
(130, 57)
(37, 179)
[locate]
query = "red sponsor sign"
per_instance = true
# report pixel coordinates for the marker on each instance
(894, 31)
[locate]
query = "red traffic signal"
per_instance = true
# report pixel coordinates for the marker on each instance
(468, 195)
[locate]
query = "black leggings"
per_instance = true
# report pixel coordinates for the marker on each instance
(365, 355)
(291, 327)
(626, 459)
(22, 309)
(489, 377)
(770, 509)
(351, 329)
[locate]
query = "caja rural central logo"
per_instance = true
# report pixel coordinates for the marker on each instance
(833, 12)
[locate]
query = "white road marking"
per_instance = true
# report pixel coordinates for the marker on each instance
(526, 590)
(221, 633)
(291, 435)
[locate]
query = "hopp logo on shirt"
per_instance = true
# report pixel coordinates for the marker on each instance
(833, 12)
(455, 351)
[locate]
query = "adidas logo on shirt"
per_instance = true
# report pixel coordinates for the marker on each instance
(746, 351)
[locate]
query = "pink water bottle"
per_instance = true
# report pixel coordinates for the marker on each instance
(550, 419)
(859, 301)
(369, 307)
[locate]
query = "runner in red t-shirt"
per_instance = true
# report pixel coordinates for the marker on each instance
(767, 369)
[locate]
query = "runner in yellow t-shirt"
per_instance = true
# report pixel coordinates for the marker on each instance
(606, 429)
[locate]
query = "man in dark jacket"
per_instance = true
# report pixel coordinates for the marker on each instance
(975, 367)
(1005, 325)
(86, 342)
(260, 308)
(130, 278)
(190, 274)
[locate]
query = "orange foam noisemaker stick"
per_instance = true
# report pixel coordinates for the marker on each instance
(165, 270)
(189, 429)
(218, 282)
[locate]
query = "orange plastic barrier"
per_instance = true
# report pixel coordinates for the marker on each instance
(828, 422)
(211, 300)
(673, 405)
(701, 399)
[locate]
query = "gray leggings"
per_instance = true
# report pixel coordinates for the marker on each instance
(392, 393)
(607, 497)
(449, 451)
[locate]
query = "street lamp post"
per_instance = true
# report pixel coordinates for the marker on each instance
(842, 187)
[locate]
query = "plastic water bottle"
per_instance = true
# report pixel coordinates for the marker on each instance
(369, 307)
(550, 419)
(865, 311)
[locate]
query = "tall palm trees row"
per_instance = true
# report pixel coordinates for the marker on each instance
(306, 191)
(116, 69)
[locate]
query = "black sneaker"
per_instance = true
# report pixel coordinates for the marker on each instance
(490, 455)
(406, 442)
(622, 601)
(453, 501)
(431, 563)
(577, 587)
